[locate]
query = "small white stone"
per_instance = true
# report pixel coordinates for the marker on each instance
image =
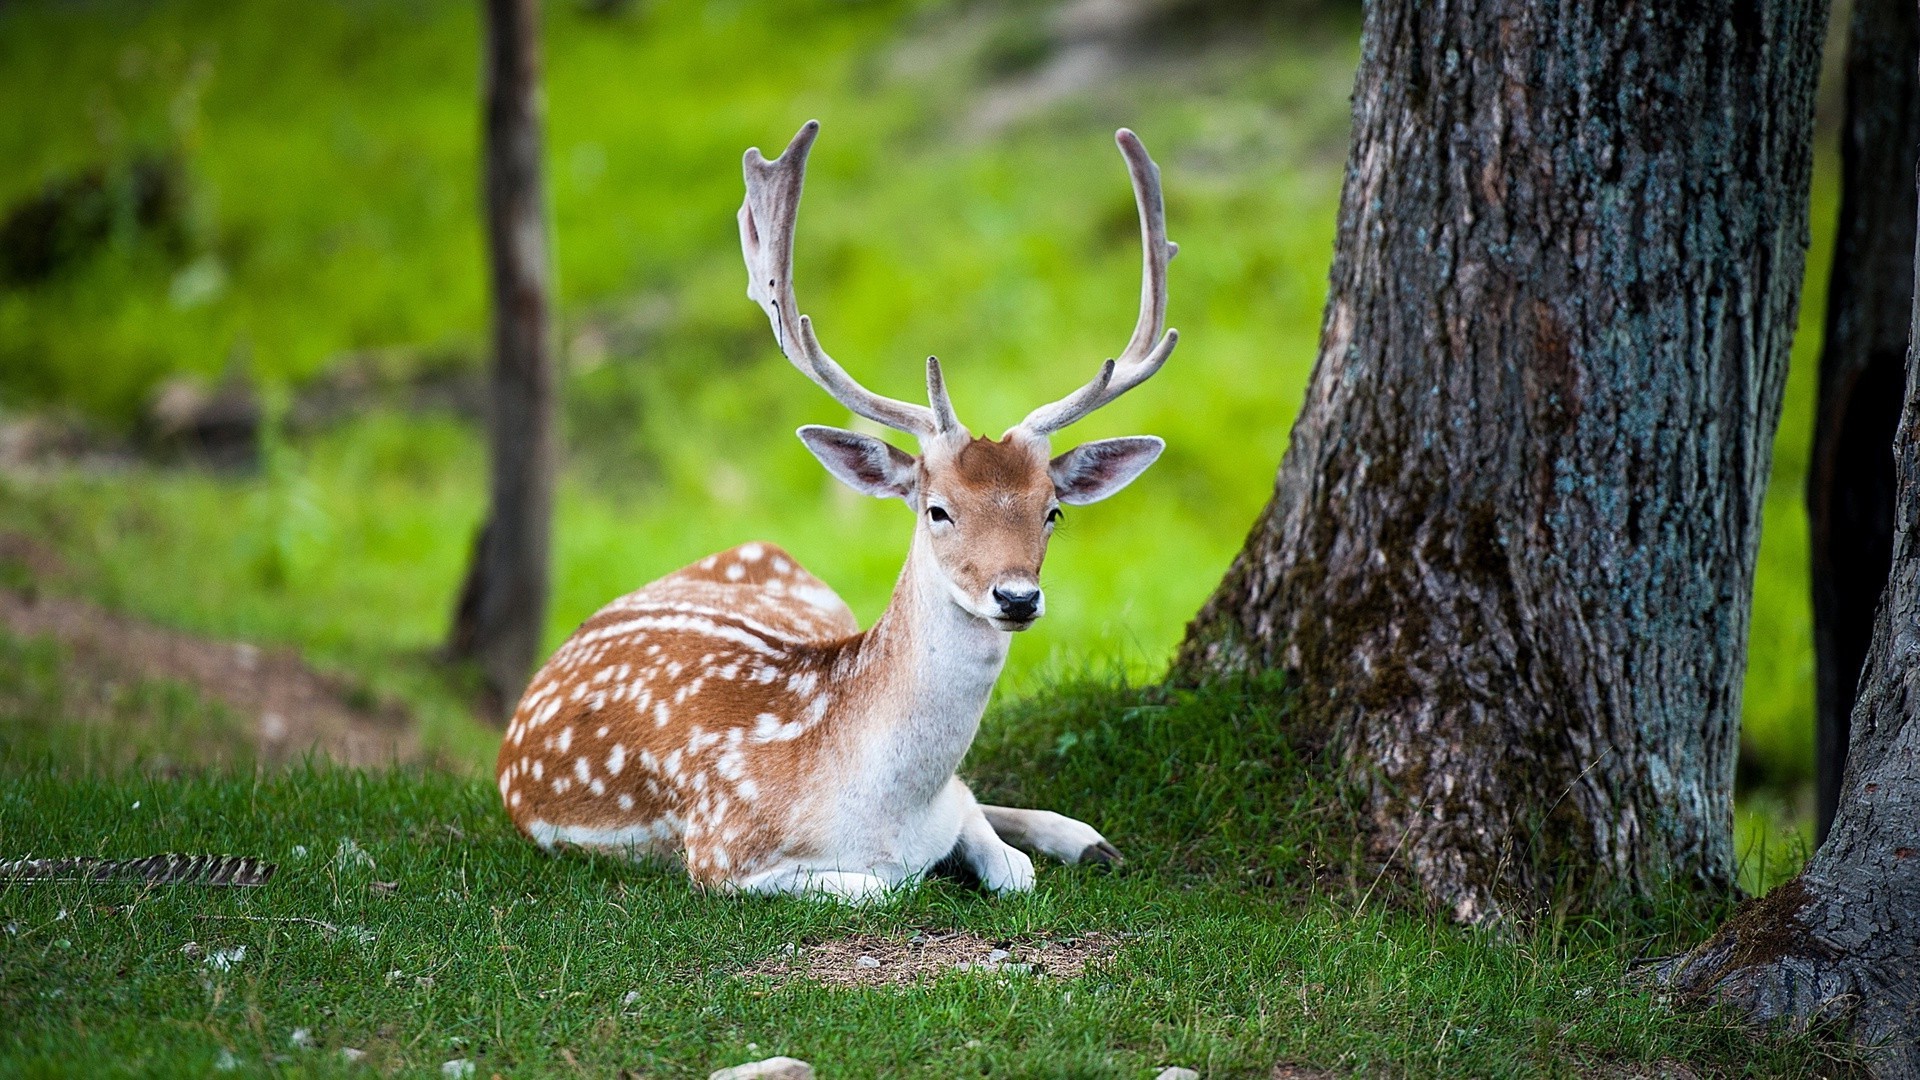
(997, 955)
(1175, 1072)
(773, 1068)
(302, 1038)
(632, 997)
(224, 1061)
(352, 1055)
(457, 1069)
(866, 962)
(224, 959)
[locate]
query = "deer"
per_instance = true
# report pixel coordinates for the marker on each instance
(734, 717)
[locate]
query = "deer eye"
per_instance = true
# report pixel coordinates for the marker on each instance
(935, 513)
(1054, 515)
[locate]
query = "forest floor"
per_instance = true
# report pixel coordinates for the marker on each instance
(407, 926)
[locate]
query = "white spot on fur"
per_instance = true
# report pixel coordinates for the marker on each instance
(582, 769)
(735, 571)
(616, 759)
(566, 738)
(752, 551)
(769, 728)
(625, 800)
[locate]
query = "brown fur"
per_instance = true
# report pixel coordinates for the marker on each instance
(741, 657)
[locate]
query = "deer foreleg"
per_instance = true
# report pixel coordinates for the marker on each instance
(1051, 834)
(1000, 868)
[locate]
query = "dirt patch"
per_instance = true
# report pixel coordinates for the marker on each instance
(878, 961)
(290, 707)
(1287, 1070)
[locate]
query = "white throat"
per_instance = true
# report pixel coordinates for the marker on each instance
(942, 662)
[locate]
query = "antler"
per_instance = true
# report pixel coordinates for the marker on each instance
(1142, 357)
(767, 219)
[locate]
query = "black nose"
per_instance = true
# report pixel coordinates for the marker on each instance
(1018, 603)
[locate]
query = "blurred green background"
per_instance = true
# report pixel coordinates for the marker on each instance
(289, 195)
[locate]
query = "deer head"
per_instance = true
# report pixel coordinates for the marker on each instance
(985, 508)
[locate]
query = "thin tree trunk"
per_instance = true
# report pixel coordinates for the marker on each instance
(1850, 482)
(503, 605)
(1510, 550)
(1842, 941)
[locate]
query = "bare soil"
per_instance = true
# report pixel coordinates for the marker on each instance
(877, 961)
(291, 708)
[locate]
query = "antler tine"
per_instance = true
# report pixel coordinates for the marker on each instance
(943, 415)
(767, 220)
(1143, 356)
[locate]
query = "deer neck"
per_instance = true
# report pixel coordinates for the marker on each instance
(932, 666)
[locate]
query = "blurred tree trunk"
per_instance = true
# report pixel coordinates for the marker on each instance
(1850, 481)
(503, 605)
(1842, 941)
(1510, 551)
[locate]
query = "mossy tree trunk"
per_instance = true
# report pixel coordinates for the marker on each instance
(1850, 481)
(503, 604)
(1510, 549)
(1841, 943)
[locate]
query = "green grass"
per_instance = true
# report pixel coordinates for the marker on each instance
(1253, 934)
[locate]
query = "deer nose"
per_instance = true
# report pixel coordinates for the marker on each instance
(1018, 601)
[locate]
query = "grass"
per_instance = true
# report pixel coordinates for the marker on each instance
(1253, 935)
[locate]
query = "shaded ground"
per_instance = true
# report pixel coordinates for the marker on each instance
(280, 708)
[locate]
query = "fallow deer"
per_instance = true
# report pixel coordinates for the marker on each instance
(733, 714)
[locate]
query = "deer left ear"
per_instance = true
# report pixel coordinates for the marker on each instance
(1092, 471)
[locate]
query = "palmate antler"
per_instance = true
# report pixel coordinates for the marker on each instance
(1143, 356)
(767, 220)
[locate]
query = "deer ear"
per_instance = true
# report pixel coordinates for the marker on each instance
(862, 462)
(1092, 471)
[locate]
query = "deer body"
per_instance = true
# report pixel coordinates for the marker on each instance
(733, 715)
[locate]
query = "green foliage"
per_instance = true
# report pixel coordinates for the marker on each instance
(1248, 934)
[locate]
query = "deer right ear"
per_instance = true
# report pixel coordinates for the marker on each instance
(868, 465)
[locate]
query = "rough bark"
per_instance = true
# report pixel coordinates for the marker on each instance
(1510, 550)
(502, 607)
(1841, 943)
(1850, 480)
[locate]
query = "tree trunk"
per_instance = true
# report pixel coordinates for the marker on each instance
(503, 605)
(1850, 480)
(1842, 941)
(1510, 550)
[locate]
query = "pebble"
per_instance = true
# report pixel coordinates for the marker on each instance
(773, 1068)
(632, 997)
(352, 1055)
(457, 1069)
(302, 1038)
(1175, 1072)
(997, 955)
(866, 962)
